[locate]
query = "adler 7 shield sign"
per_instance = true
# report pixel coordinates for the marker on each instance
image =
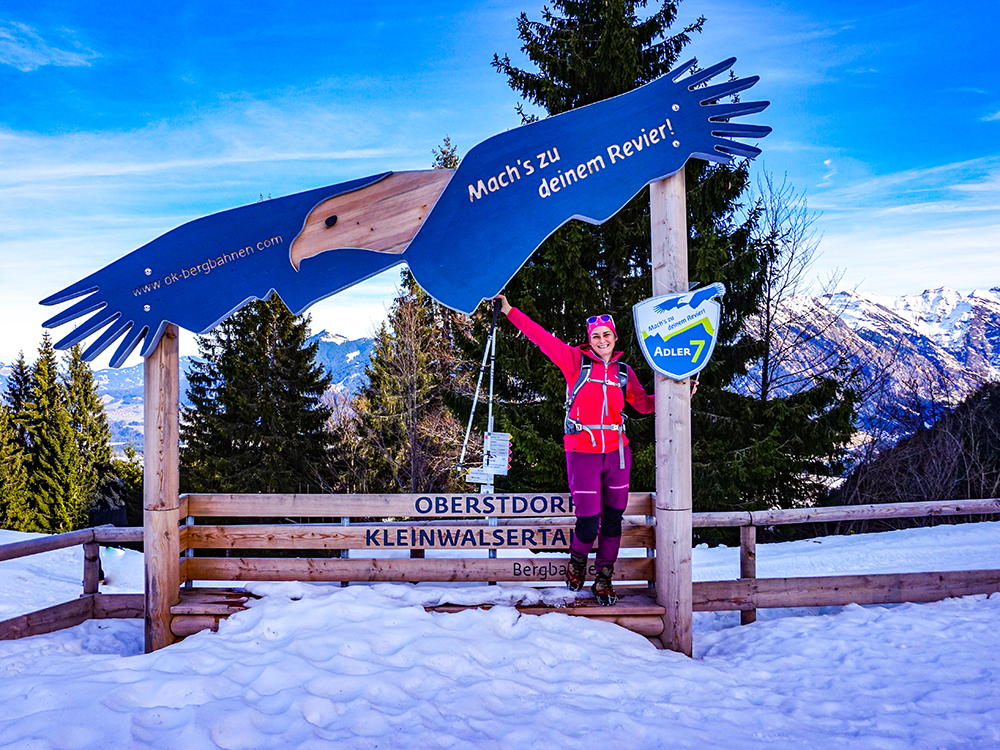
(677, 332)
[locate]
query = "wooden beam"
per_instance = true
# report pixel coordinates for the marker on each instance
(376, 537)
(648, 625)
(220, 608)
(91, 567)
(202, 601)
(721, 519)
(875, 512)
(668, 225)
(112, 535)
(14, 550)
(834, 513)
(498, 505)
(161, 498)
(638, 602)
(182, 626)
(48, 620)
(119, 606)
(829, 591)
(399, 569)
(640, 503)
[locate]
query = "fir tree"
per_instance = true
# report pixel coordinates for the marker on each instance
(17, 395)
(410, 437)
(55, 485)
(15, 512)
(93, 436)
(446, 156)
(586, 52)
(257, 421)
(744, 452)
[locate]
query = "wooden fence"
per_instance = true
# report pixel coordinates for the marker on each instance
(91, 605)
(216, 544)
(750, 593)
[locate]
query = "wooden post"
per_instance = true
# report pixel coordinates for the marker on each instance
(161, 488)
(188, 522)
(668, 219)
(748, 566)
(91, 568)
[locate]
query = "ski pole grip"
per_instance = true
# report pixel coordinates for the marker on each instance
(496, 312)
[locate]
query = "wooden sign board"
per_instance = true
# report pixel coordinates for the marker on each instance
(389, 536)
(533, 505)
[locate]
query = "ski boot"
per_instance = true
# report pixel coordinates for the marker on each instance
(602, 587)
(575, 572)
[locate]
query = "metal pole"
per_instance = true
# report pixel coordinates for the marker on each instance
(488, 488)
(490, 340)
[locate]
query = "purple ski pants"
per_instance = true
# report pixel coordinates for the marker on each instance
(600, 493)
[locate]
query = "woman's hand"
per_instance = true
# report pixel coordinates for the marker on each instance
(694, 383)
(505, 307)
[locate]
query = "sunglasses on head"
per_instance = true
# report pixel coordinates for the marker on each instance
(600, 319)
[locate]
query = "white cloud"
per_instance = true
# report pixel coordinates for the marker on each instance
(25, 49)
(904, 231)
(831, 172)
(969, 185)
(73, 202)
(893, 259)
(992, 118)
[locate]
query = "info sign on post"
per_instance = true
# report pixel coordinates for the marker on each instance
(677, 332)
(496, 459)
(496, 452)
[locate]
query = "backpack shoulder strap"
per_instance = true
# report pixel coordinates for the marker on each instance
(571, 393)
(623, 378)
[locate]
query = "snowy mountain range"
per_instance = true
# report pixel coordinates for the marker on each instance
(955, 334)
(913, 350)
(121, 390)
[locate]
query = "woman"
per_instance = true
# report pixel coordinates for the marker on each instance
(598, 459)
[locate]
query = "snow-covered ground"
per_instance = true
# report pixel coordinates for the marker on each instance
(312, 666)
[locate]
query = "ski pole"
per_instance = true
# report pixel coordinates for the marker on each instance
(479, 382)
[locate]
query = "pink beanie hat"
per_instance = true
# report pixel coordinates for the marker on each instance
(598, 321)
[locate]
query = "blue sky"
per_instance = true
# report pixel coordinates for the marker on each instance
(121, 121)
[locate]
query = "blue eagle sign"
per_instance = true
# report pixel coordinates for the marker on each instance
(677, 332)
(463, 233)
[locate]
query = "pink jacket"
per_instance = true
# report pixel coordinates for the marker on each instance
(591, 407)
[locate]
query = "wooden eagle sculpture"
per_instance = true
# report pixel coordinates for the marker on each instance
(463, 233)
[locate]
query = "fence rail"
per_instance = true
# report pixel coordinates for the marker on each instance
(836, 513)
(390, 536)
(747, 594)
(429, 505)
